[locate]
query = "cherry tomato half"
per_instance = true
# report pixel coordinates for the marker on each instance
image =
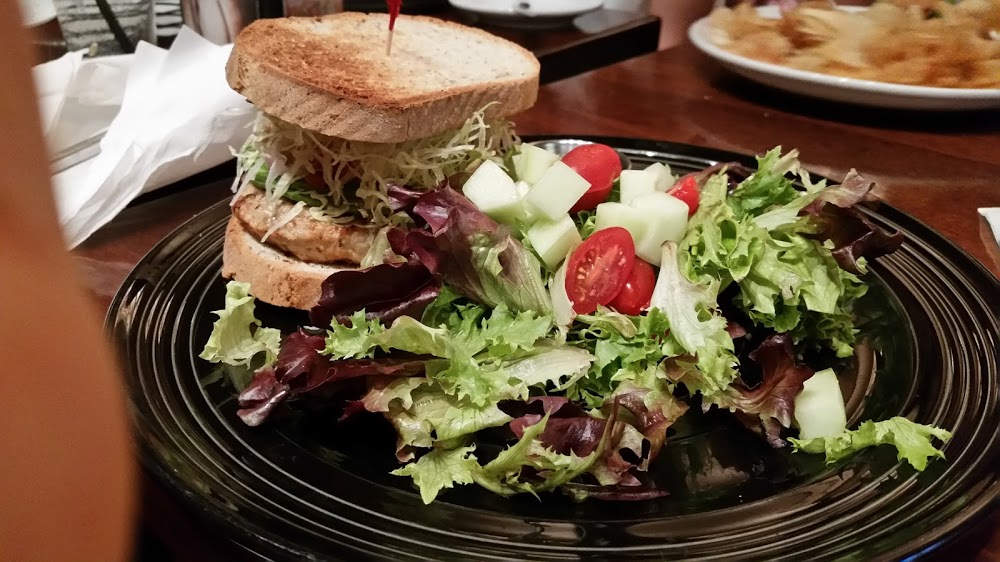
(600, 165)
(638, 289)
(598, 268)
(686, 189)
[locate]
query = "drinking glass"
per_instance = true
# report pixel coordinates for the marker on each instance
(106, 27)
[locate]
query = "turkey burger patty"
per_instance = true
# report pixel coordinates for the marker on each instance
(304, 237)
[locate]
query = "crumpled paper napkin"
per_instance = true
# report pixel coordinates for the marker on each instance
(992, 216)
(78, 99)
(178, 117)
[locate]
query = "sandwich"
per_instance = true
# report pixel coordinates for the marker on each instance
(342, 123)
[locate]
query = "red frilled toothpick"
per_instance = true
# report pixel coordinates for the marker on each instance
(394, 7)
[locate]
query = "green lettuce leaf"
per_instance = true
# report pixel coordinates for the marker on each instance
(392, 393)
(756, 238)
(423, 413)
(554, 366)
(469, 343)
(768, 186)
(504, 475)
(696, 328)
(507, 333)
(716, 244)
(606, 319)
(620, 345)
(410, 335)
(586, 223)
(912, 440)
(796, 286)
(443, 311)
(440, 469)
(456, 370)
(356, 341)
(237, 336)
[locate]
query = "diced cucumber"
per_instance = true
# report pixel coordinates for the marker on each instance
(556, 192)
(635, 183)
(523, 211)
(819, 408)
(664, 176)
(665, 219)
(532, 162)
(492, 191)
(552, 240)
(619, 214)
(562, 307)
(522, 188)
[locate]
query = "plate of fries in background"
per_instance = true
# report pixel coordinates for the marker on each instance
(902, 54)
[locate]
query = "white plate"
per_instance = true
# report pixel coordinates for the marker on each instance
(840, 89)
(527, 12)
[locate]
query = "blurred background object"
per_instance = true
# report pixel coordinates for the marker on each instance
(319, 7)
(526, 14)
(168, 18)
(627, 5)
(312, 7)
(676, 16)
(39, 16)
(220, 21)
(91, 24)
(105, 27)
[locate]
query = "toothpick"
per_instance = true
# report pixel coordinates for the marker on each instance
(388, 45)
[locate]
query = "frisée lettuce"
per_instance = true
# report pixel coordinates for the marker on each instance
(443, 468)
(468, 349)
(237, 337)
(913, 441)
(757, 238)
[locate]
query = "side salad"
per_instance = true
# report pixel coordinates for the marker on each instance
(571, 311)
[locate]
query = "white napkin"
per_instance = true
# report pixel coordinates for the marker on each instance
(78, 99)
(53, 80)
(178, 117)
(992, 216)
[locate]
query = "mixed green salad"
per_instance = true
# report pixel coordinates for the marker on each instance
(573, 311)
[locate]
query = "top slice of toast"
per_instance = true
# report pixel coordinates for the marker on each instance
(331, 74)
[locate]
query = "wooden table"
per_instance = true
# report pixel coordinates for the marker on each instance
(939, 168)
(610, 37)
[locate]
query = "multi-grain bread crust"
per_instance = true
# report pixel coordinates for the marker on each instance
(273, 277)
(304, 237)
(331, 74)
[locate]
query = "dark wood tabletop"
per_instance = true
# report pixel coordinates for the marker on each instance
(594, 40)
(937, 167)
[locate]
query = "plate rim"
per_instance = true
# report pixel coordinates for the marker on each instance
(477, 8)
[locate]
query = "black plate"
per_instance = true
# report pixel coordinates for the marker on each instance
(308, 488)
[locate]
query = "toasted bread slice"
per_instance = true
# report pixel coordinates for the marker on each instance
(274, 277)
(331, 74)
